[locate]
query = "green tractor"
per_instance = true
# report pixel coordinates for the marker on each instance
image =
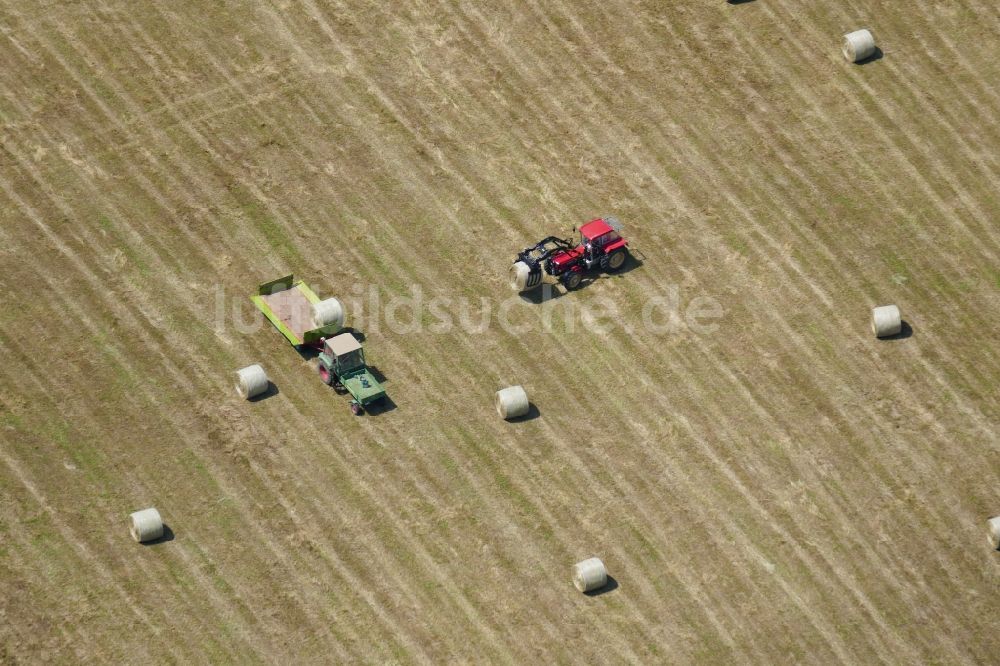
(342, 366)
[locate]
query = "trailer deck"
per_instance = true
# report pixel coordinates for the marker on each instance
(287, 304)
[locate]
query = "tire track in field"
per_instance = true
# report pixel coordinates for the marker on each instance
(976, 417)
(70, 306)
(883, 134)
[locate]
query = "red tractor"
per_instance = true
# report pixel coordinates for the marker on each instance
(601, 247)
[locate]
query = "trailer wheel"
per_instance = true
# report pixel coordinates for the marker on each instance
(614, 261)
(572, 280)
(325, 375)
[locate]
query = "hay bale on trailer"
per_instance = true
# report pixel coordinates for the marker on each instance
(251, 381)
(590, 575)
(993, 532)
(512, 402)
(145, 525)
(886, 321)
(326, 312)
(858, 45)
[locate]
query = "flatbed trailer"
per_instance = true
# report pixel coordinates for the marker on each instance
(287, 303)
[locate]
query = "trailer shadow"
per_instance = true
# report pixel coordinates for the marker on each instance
(168, 535)
(905, 331)
(306, 352)
(610, 586)
(358, 335)
(272, 390)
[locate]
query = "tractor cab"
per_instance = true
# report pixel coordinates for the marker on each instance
(598, 234)
(601, 244)
(346, 353)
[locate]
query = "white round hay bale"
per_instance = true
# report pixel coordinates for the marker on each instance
(145, 525)
(512, 402)
(886, 321)
(519, 274)
(251, 381)
(858, 45)
(993, 532)
(590, 575)
(328, 312)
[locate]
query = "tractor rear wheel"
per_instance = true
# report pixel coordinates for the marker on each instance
(612, 262)
(325, 375)
(572, 280)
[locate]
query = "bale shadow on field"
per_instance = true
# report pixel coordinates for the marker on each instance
(532, 414)
(610, 586)
(272, 390)
(905, 331)
(877, 55)
(168, 535)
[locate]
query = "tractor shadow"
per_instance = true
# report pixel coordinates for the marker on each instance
(905, 331)
(532, 414)
(272, 390)
(547, 292)
(610, 586)
(375, 409)
(377, 374)
(633, 261)
(877, 55)
(168, 535)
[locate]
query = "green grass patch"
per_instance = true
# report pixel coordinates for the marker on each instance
(274, 234)
(895, 264)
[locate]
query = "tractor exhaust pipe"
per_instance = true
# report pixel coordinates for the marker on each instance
(524, 276)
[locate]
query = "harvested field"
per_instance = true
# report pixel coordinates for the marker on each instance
(778, 487)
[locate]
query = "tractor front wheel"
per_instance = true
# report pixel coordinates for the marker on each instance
(572, 280)
(612, 262)
(325, 375)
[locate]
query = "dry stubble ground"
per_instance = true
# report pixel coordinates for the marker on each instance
(785, 489)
